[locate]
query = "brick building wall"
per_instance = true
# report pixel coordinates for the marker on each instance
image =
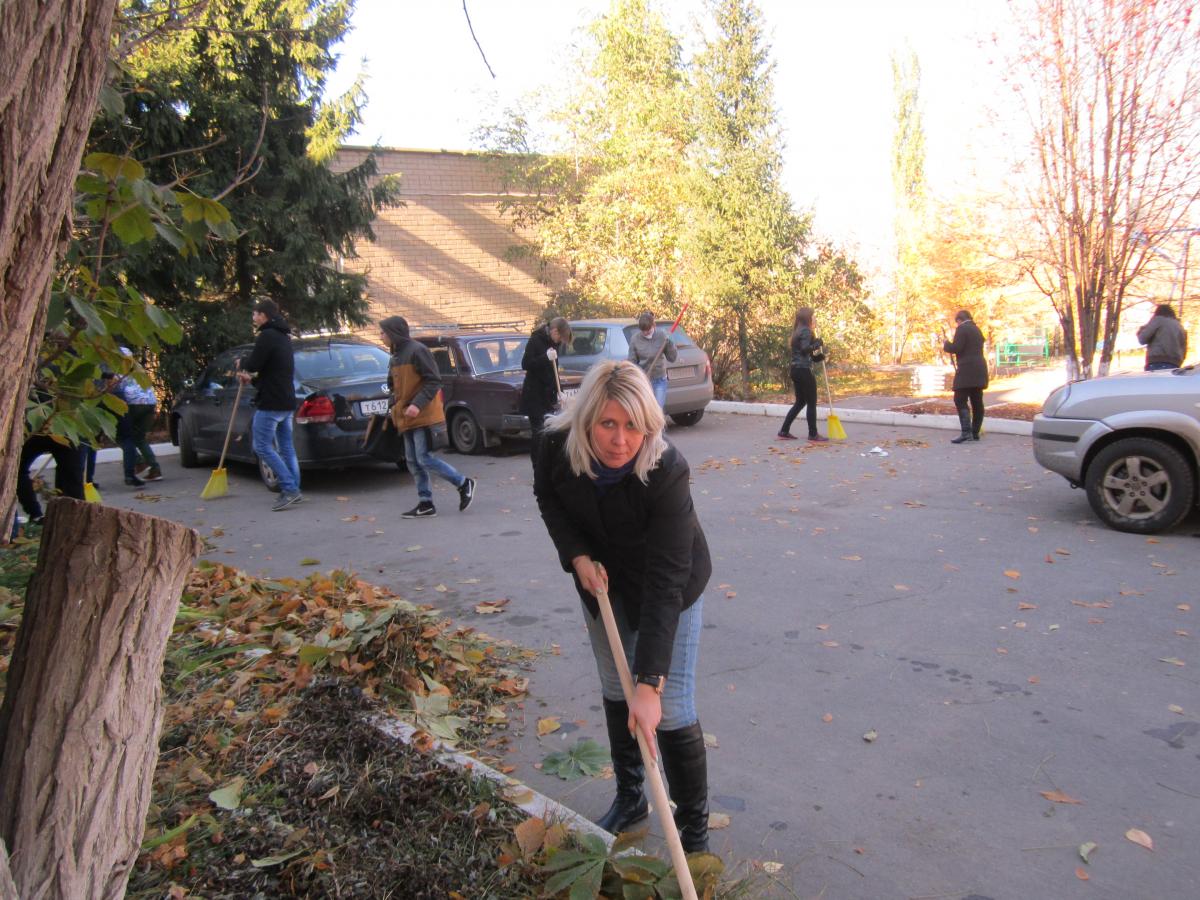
(445, 256)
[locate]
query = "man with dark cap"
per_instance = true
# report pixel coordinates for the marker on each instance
(539, 393)
(271, 366)
(416, 387)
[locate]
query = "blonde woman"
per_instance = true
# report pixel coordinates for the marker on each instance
(615, 497)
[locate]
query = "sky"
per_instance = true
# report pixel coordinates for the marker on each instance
(429, 87)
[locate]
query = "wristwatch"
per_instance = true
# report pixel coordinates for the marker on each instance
(655, 681)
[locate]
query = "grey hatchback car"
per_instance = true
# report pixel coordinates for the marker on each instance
(1132, 441)
(689, 377)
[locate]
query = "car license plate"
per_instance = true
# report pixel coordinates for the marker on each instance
(570, 392)
(373, 407)
(681, 372)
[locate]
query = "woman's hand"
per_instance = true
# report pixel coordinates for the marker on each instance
(591, 574)
(645, 713)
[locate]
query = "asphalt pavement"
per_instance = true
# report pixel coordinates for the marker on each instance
(1027, 678)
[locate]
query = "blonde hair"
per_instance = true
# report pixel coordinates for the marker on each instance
(626, 383)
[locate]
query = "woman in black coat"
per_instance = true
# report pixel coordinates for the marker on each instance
(807, 349)
(616, 499)
(970, 376)
(539, 392)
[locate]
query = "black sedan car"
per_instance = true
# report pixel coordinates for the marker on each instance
(340, 382)
(481, 384)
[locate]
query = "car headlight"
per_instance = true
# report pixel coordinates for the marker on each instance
(1056, 399)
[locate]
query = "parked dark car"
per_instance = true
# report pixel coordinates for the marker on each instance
(689, 378)
(340, 382)
(481, 384)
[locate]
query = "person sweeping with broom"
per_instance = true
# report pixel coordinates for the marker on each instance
(616, 500)
(970, 376)
(271, 366)
(807, 349)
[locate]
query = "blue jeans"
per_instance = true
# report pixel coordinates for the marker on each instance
(421, 461)
(679, 693)
(659, 386)
(273, 426)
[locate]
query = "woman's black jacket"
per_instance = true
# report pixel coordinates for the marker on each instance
(971, 370)
(647, 537)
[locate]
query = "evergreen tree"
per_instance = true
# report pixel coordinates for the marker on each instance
(745, 237)
(232, 95)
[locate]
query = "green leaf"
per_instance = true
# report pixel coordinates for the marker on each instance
(134, 225)
(311, 655)
(214, 213)
(353, 620)
(226, 231)
(1086, 850)
(167, 836)
(87, 183)
(583, 877)
(585, 758)
(89, 315)
(310, 561)
(230, 795)
(191, 205)
(275, 860)
(173, 236)
(112, 102)
(114, 167)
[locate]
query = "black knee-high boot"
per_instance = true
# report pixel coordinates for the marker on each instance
(964, 421)
(630, 805)
(686, 765)
(976, 421)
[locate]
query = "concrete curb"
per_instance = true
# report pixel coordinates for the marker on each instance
(874, 417)
(515, 792)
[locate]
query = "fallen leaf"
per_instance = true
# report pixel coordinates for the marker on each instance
(730, 594)
(1081, 874)
(1175, 708)
(827, 718)
(1012, 573)
(530, 835)
(1182, 633)
(1131, 593)
(822, 628)
(710, 741)
(1095, 621)
(310, 561)
(1099, 604)
(548, 725)
(342, 499)
(718, 820)
(1175, 661)
(1001, 651)
(772, 868)
(852, 558)
(441, 588)
(311, 769)
(349, 518)
(1024, 605)
(1061, 552)
(1184, 607)
(1060, 797)
(413, 549)
(870, 736)
(230, 795)
(830, 644)
(332, 792)
(1086, 850)
(1033, 679)
(1140, 838)
(900, 587)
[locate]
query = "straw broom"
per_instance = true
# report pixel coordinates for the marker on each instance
(218, 482)
(836, 431)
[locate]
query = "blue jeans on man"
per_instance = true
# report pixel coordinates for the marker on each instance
(659, 385)
(271, 427)
(421, 461)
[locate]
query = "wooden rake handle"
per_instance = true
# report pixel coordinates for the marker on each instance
(658, 791)
(828, 392)
(229, 431)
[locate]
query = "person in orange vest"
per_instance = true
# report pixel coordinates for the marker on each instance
(416, 387)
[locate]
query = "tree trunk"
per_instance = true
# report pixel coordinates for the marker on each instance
(744, 353)
(80, 721)
(52, 62)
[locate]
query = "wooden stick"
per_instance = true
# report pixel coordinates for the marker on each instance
(654, 361)
(658, 791)
(229, 431)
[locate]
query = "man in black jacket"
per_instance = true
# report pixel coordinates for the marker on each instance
(271, 366)
(539, 393)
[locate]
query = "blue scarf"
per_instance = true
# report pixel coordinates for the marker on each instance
(606, 477)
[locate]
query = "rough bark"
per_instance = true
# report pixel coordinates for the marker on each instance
(52, 63)
(81, 717)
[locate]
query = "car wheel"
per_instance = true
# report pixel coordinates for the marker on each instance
(465, 433)
(688, 419)
(270, 479)
(1140, 485)
(188, 457)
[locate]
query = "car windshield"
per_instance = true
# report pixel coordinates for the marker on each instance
(678, 338)
(490, 355)
(341, 361)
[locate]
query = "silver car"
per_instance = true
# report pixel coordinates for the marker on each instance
(1132, 441)
(689, 377)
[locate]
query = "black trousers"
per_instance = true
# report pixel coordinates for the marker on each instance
(974, 396)
(537, 421)
(68, 471)
(805, 384)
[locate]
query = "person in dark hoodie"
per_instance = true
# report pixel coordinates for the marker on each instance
(271, 367)
(970, 376)
(539, 393)
(416, 387)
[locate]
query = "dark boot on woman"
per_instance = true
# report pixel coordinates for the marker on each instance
(964, 421)
(686, 764)
(630, 805)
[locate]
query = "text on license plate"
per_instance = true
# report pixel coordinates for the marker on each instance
(681, 372)
(373, 407)
(570, 392)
